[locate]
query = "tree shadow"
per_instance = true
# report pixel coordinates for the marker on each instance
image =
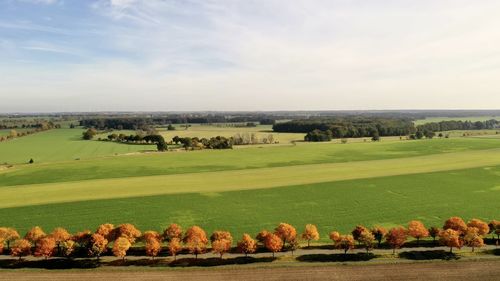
(336, 257)
(429, 255)
(50, 264)
(495, 252)
(209, 262)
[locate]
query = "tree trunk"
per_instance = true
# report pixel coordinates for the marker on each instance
(451, 250)
(418, 241)
(273, 254)
(308, 242)
(393, 251)
(473, 249)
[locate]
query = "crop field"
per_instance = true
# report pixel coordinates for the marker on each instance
(333, 185)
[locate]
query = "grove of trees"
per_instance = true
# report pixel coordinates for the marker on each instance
(454, 233)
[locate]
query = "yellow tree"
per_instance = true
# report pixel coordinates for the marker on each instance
(128, 231)
(221, 242)
(153, 247)
(196, 240)
(379, 234)
(286, 232)
(335, 237)
(455, 223)
(45, 247)
(417, 230)
(366, 238)
(60, 235)
(98, 245)
(68, 248)
(247, 245)
(121, 246)
(21, 248)
(174, 247)
(450, 238)
(396, 237)
(481, 226)
(106, 231)
(8, 235)
(34, 234)
(310, 233)
(173, 231)
(273, 243)
(345, 242)
(473, 238)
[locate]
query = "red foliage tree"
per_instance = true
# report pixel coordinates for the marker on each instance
(396, 237)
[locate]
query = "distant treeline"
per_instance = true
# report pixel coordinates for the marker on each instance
(44, 125)
(144, 123)
(458, 125)
(349, 127)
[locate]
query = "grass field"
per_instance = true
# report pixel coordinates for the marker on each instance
(58, 145)
(335, 186)
(470, 118)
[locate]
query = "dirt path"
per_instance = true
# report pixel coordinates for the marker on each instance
(470, 270)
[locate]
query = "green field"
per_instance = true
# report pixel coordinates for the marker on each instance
(333, 185)
(470, 118)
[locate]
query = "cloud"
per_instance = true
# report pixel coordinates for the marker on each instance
(264, 55)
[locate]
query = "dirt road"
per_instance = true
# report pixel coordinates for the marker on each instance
(457, 270)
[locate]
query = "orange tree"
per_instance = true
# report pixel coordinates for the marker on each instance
(396, 237)
(417, 230)
(310, 233)
(286, 232)
(247, 245)
(273, 243)
(450, 238)
(195, 240)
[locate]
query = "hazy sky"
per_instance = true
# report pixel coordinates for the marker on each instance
(79, 55)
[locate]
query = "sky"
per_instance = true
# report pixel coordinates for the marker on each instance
(198, 55)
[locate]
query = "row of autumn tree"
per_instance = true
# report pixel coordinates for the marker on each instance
(454, 234)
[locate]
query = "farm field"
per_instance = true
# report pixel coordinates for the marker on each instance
(335, 186)
(438, 119)
(58, 145)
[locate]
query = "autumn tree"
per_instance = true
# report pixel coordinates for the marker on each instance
(172, 231)
(334, 236)
(128, 231)
(310, 233)
(345, 242)
(494, 226)
(450, 238)
(60, 235)
(366, 238)
(45, 247)
(221, 242)
(21, 248)
(473, 239)
(357, 232)
(106, 230)
(481, 226)
(174, 246)
(121, 246)
(286, 232)
(434, 232)
(247, 245)
(379, 234)
(455, 223)
(7, 235)
(98, 245)
(196, 240)
(150, 235)
(261, 237)
(273, 243)
(153, 247)
(68, 248)
(396, 237)
(417, 230)
(35, 234)
(82, 238)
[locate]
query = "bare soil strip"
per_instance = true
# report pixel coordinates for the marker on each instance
(470, 270)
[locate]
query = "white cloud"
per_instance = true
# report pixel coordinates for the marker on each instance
(264, 55)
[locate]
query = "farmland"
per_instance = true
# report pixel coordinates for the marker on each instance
(333, 185)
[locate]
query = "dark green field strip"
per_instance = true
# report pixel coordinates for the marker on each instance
(206, 161)
(430, 197)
